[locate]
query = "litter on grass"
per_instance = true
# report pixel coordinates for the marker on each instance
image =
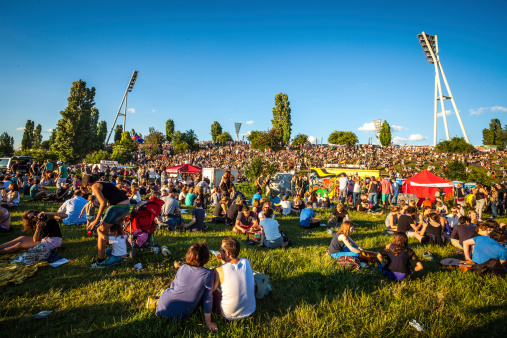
(42, 314)
(59, 262)
(416, 325)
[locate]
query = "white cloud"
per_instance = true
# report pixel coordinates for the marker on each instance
(312, 139)
(367, 127)
(20, 128)
(447, 113)
(417, 137)
(396, 128)
(50, 130)
(249, 122)
(132, 110)
(398, 140)
(247, 133)
(153, 110)
(482, 110)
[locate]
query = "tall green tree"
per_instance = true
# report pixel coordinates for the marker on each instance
(28, 137)
(300, 139)
(385, 134)
(342, 137)
(282, 117)
(93, 131)
(495, 135)
(455, 145)
(224, 137)
(117, 132)
(6, 145)
(37, 137)
(72, 139)
(101, 135)
(216, 130)
(123, 148)
(169, 130)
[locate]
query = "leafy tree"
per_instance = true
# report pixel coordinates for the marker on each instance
(269, 139)
(122, 149)
(455, 145)
(255, 168)
(300, 139)
(28, 137)
(480, 177)
(342, 137)
(495, 135)
(117, 132)
(254, 134)
(96, 156)
(6, 145)
(169, 130)
(282, 117)
(216, 130)
(72, 135)
(101, 135)
(385, 134)
(190, 138)
(46, 144)
(224, 137)
(37, 137)
(93, 131)
(153, 141)
(456, 171)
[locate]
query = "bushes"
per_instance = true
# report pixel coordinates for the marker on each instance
(455, 145)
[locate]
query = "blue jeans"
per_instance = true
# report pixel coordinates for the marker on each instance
(345, 252)
(373, 197)
(354, 198)
(494, 209)
(111, 260)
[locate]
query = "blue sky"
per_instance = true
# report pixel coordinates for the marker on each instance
(342, 64)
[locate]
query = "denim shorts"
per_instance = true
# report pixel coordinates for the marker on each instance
(112, 260)
(116, 213)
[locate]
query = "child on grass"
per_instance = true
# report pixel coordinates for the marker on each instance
(396, 257)
(342, 244)
(89, 208)
(118, 240)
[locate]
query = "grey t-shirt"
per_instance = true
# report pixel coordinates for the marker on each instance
(169, 207)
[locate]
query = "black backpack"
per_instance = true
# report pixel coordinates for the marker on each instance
(490, 266)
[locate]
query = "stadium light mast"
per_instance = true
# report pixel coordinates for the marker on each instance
(237, 127)
(378, 126)
(429, 44)
(130, 86)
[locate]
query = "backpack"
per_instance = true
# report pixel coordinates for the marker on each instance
(490, 266)
(348, 262)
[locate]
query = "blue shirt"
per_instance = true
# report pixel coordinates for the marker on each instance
(396, 188)
(191, 286)
(305, 217)
(275, 200)
(257, 196)
(486, 248)
(72, 208)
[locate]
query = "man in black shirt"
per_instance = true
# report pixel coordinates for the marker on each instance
(233, 211)
(502, 191)
(462, 232)
(406, 223)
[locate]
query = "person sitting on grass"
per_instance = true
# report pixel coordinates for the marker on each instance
(474, 219)
(431, 232)
(265, 207)
(340, 214)
(406, 223)
(427, 202)
(12, 197)
(220, 211)
(118, 253)
(364, 204)
(236, 298)
(5, 220)
(73, 208)
(36, 191)
(189, 199)
(392, 218)
(307, 218)
(442, 209)
(484, 247)
(342, 244)
(198, 217)
(270, 236)
(396, 257)
(246, 222)
(46, 228)
(286, 206)
(462, 232)
(192, 286)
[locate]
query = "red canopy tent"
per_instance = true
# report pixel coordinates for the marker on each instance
(425, 184)
(184, 169)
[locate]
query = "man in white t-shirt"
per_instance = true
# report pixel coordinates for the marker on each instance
(236, 300)
(453, 217)
(344, 183)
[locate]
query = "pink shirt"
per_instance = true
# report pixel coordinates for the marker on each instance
(387, 188)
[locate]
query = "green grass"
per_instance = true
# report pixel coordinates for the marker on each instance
(310, 297)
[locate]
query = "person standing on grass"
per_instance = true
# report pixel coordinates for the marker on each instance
(307, 217)
(236, 297)
(373, 192)
(119, 209)
(387, 191)
(344, 183)
(481, 197)
(396, 257)
(62, 174)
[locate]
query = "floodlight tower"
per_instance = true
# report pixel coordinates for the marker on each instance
(378, 126)
(429, 44)
(130, 86)
(237, 127)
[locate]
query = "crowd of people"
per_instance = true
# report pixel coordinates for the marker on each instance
(102, 201)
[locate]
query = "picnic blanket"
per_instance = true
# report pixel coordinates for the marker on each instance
(16, 273)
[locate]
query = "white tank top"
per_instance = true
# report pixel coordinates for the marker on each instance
(238, 290)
